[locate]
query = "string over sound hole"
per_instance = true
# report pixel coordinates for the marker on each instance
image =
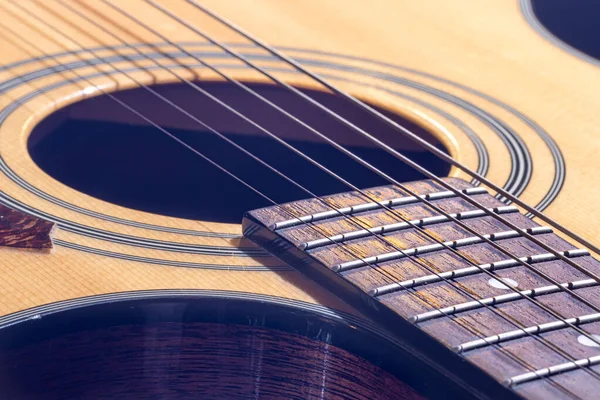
(100, 148)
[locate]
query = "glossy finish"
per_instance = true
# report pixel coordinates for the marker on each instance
(196, 345)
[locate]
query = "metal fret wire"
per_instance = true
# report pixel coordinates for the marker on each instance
(249, 186)
(510, 355)
(513, 335)
(394, 125)
(157, 64)
(556, 315)
(362, 162)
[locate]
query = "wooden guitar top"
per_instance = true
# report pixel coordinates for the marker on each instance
(481, 77)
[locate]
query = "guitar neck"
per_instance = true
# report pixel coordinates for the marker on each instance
(483, 290)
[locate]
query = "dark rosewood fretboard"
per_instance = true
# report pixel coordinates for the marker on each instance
(374, 259)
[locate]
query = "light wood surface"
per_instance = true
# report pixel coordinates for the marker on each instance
(486, 46)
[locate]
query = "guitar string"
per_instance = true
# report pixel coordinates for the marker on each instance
(560, 256)
(263, 196)
(365, 134)
(262, 71)
(554, 314)
(402, 158)
(222, 169)
(313, 194)
(403, 130)
(460, 223)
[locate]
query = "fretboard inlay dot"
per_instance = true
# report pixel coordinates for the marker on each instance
(586, 341)
(503, 283)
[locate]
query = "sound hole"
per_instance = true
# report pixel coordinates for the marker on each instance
(98, 147)
(573, 22)
(194, 349)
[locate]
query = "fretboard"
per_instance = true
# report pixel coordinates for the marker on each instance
(507, 318)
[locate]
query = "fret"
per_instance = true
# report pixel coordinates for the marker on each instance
(360, 208)
(520, 333)
(462, 272)
(380, 230)
(395, 255)
(553, 370)
(537, 351)
(505, 317)
(440, 262)
(491, 301)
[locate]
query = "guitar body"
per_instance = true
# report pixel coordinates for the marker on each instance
(149, 259)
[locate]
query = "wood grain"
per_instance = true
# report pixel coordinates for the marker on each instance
(504, 361)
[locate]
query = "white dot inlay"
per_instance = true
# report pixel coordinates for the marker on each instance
(586, 341)
(503, 283)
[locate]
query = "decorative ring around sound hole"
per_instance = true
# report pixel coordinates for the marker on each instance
(337, 63)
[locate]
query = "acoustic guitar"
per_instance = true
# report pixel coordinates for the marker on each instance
(267, 199)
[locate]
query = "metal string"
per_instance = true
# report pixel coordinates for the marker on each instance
(438, 153)
(309, 192)
(556, 315)
(460, 223)
(257, 192)
(563, 389)
(230, 174)
(382, 145)
(530, 237)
